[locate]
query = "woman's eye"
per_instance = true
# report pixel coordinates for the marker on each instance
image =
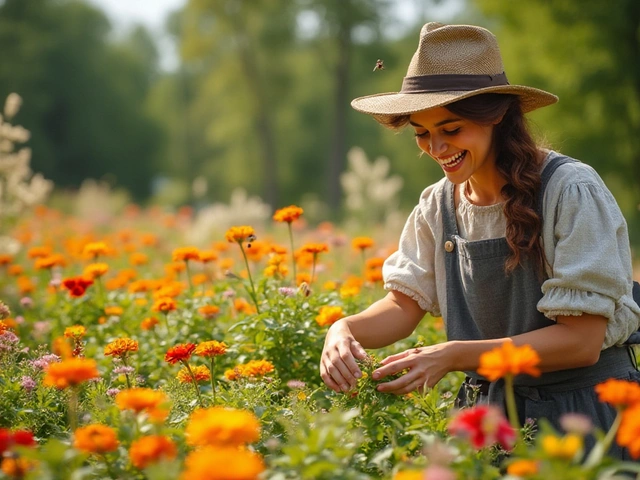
(452, 132)
(423, 134)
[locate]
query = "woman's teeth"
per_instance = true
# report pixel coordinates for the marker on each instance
(454, 160)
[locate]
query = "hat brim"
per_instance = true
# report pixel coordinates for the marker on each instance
(384, 106)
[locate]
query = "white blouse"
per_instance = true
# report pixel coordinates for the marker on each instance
(585, 242)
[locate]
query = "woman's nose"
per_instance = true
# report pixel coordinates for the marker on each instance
(437, 146)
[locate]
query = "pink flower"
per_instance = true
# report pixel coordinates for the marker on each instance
(483, 425)
(438, 472)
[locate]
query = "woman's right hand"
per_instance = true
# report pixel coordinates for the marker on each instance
(338, 367)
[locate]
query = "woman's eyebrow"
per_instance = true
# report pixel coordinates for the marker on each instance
(439, 124)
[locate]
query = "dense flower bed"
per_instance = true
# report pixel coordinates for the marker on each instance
(126, 354)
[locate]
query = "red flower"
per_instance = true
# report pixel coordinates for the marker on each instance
(180, 353)
(77, 286)
(483, 425)
(18, 437)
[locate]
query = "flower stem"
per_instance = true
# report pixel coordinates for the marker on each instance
(195, 382)
(252, 292)
(293, 257)
(313, 268)
(213, 378)
(126, 375)
(510, 398)
(600, 449)
(186, 262)
(73, 408)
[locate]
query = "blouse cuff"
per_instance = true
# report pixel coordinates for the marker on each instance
(570, 302)
(425, 304)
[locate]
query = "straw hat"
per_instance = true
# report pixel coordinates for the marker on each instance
(452, 62)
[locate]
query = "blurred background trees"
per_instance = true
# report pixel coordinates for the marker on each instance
(260, 96)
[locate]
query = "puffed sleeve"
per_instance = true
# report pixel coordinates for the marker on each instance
(410, 269)
(587, 248)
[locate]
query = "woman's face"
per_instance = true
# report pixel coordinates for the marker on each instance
(461, 147)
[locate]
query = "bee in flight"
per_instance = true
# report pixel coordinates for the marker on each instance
(379, 65)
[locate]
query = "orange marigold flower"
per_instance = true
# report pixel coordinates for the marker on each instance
(409, 475)
(288, 214)
(199, 279)
(113, 310)
(164, 305)
(239, 464)
(373, 275)
(523, 468)
(61, 347)
(36, 252)
(222, 426)
(50, 261)
(70, 372)
(75, 331)
(95, 270)
(619, 393)
(315, 248)
(208, 311)
(140, 399)
(95, 438)
(212, 348)
(509, 360)
(180, 353)
(241, 305)
(95, 249)
(77, 286)
(149, 322)
(207, 256)
(5, 259)
(200, 372)
(151, 449)
(257, 368)
(374, 262)
(120, 347)
(16, 467)
(240, 234)
(362, 243)
(185, 254)
(137, 259)
(628, 434)
(25, 285)
(149, 239)
(15, 270)
(169, 289)
(329, 315)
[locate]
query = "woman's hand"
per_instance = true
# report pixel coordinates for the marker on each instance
(338, 367)
(425, 367)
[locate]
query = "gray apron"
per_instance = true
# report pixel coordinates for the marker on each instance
(484, 303)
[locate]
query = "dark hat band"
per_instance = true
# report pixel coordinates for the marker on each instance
(453, 82)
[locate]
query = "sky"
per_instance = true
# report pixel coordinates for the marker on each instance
(152, 14)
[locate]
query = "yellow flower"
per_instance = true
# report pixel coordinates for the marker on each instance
(409, 475)
(70, 372)
(288, 214)
(95, 249)
(95, 270)
(239, 464)
(362, 243)
(113, 310)
(95, 438)
(566, 447)
(221, 426)
(522, 468)
(201, 372)
(75, 331)
(211, 348)
(151, 449)
(240, 234)
(185, 254)
(509, 360)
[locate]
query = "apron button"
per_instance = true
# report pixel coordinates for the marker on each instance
(448, 246)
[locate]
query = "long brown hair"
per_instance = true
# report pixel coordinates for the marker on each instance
(517, 159)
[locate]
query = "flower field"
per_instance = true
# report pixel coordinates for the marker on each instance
(127, 353)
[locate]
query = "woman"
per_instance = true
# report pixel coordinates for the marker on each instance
(516, 243)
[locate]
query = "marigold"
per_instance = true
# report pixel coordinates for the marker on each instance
(149, 322)
(113, 310)
(241, 305)
(374, 262)
(180, 353)
(75, 331)
(25, 285)
(253, 368)
(50, 261)
(509, 360)
(95, 249)
(240, 234)
(138, 259)
(208, 311)
(362, 243)
(96, 270)
(208, 256)
(140, 399)
(185, 254)
(211, 348)
(15, 270)
(70, 372)
(222, 427)
(329, 315)
(140, 286)
(16, 467)
(619, 393)
(36, 252)
(315, 248)
(522, 468)
(628, 434)
(120, 347)
(164, 305)
(409, 475)
(200, 372)
(77, 286)
(95, 438)
(5, 259)
(239, 464)
(288, 214)
(151, 449)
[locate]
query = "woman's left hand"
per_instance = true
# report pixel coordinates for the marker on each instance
(425, 367)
